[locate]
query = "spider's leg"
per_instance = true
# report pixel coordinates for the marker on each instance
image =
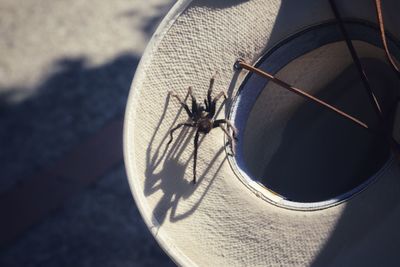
(196, 146)
(184, 105)
(222, 93)
(171, 132)
(190, 92)
(230, 125)
(213, 104)
(195, 106)
(231, 136)
(211, 110)
(209, 92)
(206, 105)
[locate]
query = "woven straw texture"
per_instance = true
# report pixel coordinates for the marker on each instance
(218, 221)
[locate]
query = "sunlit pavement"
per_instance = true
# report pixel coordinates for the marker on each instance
(65, 72)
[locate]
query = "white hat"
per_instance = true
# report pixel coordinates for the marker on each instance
(306, 187)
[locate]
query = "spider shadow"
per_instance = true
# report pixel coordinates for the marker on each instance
(165, 170)
(231, 88)
(171, 181)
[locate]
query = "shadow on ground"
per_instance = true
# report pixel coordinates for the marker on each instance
(38, 126)
(74, 102)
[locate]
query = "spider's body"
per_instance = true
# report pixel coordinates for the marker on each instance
(202, 118)
(204, 125)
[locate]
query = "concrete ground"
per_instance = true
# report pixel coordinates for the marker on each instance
(65, 72)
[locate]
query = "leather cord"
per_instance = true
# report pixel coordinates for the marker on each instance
(379, 16)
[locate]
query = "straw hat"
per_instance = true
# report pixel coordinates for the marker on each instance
(306, 187)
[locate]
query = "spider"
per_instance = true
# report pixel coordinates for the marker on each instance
(202, 118)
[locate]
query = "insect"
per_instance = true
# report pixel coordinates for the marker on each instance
(202, 118)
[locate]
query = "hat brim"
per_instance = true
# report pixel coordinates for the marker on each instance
(218, 221)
